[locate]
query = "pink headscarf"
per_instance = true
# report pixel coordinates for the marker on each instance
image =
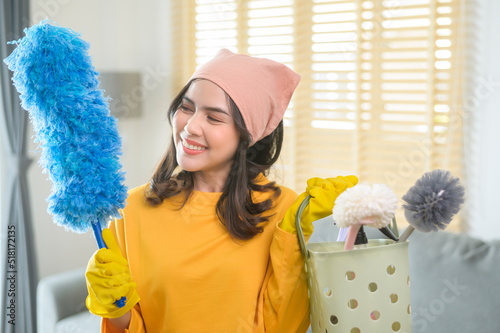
(261, 88)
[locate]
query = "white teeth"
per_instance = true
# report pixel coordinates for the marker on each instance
(187, 145)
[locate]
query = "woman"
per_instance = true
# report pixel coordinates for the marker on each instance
(212, 247)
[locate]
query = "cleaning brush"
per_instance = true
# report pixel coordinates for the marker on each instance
(432, 202)
(79, 138)
(373, 205)
(80, 144)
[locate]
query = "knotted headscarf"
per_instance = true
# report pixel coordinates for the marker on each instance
(261, 88)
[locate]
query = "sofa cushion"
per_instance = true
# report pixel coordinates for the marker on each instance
(454, 283)
(83, 322)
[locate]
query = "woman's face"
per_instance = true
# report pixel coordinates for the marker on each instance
(205, 134)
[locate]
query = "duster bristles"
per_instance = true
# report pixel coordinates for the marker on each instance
(377, 202)
(433, 201)
(79, 138)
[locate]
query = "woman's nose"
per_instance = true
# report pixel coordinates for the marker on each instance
(193, 124)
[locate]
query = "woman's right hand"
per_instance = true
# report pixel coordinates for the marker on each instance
(108, 280)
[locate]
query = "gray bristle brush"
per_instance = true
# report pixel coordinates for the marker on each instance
(432, 202)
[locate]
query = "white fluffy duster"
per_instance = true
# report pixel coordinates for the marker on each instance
(364, 202)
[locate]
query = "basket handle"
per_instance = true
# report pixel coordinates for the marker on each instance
(300, 234)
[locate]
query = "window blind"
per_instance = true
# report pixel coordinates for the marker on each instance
(380, 90)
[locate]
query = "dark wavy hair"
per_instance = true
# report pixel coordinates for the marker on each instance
(235, 208)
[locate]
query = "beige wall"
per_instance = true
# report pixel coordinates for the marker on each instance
(125, 35)
(130, 35)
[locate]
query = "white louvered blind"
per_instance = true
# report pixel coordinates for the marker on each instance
(380, 89)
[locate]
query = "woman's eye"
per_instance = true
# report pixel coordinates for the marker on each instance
(215, 120)
(184, 108)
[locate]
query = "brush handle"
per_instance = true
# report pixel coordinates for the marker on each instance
(406, 234)
(388, 233)
(351, 236)
(98, 234)
(96, 227)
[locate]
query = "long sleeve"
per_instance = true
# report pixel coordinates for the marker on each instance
(136, 323)
(284, 299)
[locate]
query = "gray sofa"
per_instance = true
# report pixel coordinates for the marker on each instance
(61, 304)
(454, 286)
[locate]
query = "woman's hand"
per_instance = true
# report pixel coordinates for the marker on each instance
(122, 322)
(323, 194)
(108, 280)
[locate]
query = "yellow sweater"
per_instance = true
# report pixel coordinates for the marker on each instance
(192, 277)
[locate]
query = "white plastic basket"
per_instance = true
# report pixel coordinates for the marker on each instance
(366, 290)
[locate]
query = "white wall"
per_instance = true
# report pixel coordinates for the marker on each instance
(485, 221)
(125, 35)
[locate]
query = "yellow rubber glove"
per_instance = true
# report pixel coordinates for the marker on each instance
(108, 280)
(323, 194)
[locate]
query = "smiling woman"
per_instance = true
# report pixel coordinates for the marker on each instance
(210, 237)
(213, 143)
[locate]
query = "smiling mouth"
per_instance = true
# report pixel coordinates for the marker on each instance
(192, 147)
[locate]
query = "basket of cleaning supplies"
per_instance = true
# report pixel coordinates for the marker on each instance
(366, 289)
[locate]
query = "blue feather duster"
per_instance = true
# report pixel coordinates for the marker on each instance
(432, 202)
(59, 87)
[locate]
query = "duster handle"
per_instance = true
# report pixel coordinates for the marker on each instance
(98, 234)
(100, 242)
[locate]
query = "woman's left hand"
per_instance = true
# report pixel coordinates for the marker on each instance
(323, 194)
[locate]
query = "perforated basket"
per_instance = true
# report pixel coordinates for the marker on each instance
(366, 290)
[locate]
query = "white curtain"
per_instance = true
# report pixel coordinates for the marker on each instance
(18, 263)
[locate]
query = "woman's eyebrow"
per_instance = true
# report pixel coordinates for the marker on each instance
(208, 108)
(189, 100)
